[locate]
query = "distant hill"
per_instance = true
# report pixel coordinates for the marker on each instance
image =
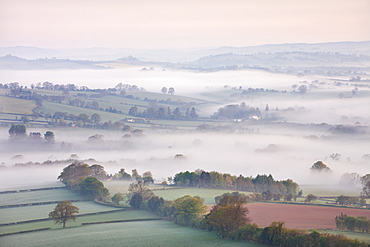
(16, 63)
(181, 55)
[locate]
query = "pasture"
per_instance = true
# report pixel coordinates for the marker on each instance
(16, 214)
(150, 233)
(39, 196)
(108, 216)
(16, 105)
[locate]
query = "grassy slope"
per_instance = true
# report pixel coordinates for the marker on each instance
(154, 233)
(15, 105)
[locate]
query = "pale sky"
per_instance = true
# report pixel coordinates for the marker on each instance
(180, 23)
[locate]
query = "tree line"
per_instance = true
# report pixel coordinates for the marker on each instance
(271, 189)
(351, 223)
(164, 113)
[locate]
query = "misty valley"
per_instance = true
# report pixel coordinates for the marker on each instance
(136, 142)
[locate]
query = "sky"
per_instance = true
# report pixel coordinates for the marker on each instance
(178, 24)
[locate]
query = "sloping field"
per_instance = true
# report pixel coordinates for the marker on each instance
(111, 216)
(299, 216)
(150, 233)
(16, 105)
(39, 196)
(8, 215)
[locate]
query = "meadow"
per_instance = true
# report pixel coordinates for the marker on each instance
(150, 233)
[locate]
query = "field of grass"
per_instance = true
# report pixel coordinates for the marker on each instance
(151, 233)
(15, 105)
(208, 194)
(327, 191)
(39, 196)
(169, 193)
(113, 216)
(49, 107)
(8, 215)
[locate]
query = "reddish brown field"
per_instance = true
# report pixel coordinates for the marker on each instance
(299, 216)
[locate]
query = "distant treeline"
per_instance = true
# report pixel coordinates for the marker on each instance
(270, 188)
(236, 111)
(164, 113)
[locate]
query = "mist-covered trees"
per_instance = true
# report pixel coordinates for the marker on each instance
(319, 166)
(17, 131)
(236, 111)
(164, 113)
(85, 179)
(63, 212)
(260, 184)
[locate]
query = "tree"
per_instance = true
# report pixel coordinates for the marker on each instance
(96, 118)
(188, 208)
(164, 90)
(74, 174)
(49, 137)
(302, 89)
(117, 198)
(171, 91)
(148, 177)
(228, 215)
(310, 197)
(133, 111)
(98, 172)
(136, 200)
(92, 188)
(193, 113)
(17, 131)
(141, 187)
(64, 211)
(319, 166)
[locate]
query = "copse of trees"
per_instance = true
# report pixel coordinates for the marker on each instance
(84, 179)
(216, 180)
(164, 113)
(237, 111)
(228, 215)
(351, 223)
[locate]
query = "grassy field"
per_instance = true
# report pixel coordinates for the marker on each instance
(113, 216)
(9, 215)
(38, 196)
(153, 233)
(15, 105)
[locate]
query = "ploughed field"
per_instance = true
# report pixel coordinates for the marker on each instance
(300, 216)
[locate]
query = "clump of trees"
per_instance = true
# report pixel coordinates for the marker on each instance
(351, 223)
(164, 113)
(84, 179)
(63, 212)
(270, 188)
(18, 132)
(228, 215)
(236, 111)
(319, 166)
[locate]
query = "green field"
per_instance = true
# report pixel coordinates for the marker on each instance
(15, 214)
(39, 196)
(113, 216)
(150, 233)
(16, 105)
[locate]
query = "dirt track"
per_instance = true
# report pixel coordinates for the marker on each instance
(299, 216)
